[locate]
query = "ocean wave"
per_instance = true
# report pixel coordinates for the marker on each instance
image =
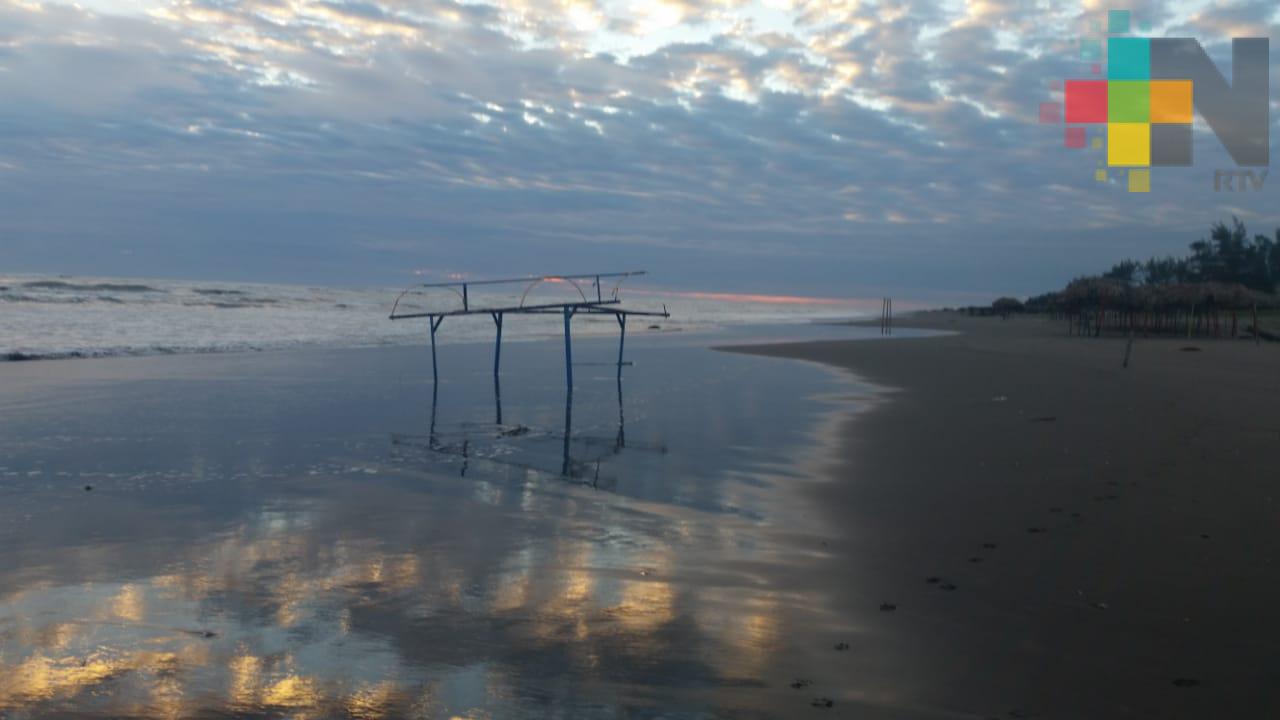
(22, 356)
(93, 287)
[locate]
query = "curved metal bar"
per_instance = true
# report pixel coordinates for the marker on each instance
(551, 278)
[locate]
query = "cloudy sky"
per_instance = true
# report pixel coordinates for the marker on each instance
(825, 147)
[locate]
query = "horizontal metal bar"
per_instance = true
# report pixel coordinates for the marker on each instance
(514, 309)
(584, 276)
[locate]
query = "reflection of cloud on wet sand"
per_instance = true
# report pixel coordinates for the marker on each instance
(306, 612)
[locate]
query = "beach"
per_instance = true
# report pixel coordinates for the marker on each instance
(976, 518)
(1060, 537)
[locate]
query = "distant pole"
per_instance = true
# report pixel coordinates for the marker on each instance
(889, 321)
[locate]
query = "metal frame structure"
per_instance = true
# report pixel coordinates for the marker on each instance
(602, 305)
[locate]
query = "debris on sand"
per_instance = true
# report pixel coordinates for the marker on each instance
(823, 702)
(842, 646)
(888, 607)
(799, 683)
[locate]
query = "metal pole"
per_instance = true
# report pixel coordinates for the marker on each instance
(435, 375)
(622, 339)
(568, 351)
(497, 399)
(497, 347)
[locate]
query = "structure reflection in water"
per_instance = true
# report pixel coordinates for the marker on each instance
(524, 448)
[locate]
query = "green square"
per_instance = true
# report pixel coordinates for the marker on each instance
(1128, 101)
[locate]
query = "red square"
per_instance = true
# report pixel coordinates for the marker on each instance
(1074, 138)
(1086, 101)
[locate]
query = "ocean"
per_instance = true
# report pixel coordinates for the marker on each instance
(45, 317)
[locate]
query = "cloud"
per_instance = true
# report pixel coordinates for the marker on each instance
(371, 137)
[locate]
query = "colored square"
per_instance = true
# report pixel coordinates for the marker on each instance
(1129, 58)
(1171, 101)
(1050, 113)
(1086, 101)
(1074, 137)
(1128, 144)
(1171, 145)
(1090, 49)
(1118, 22)
(1128, 101)
(1100, 175)
(1139, 181)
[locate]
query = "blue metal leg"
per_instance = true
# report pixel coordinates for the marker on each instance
(568, 350)
(435, 374)
(622, 339)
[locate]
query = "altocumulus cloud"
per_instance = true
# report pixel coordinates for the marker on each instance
(836, 147)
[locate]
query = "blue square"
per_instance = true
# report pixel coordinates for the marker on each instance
(1090, 49)
(1128, 58)
(1118, 22)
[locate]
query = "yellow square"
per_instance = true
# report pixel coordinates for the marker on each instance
(1171, 101)
(1097, 143)
(1100, 175)
(1128, 144)
(1139, 181)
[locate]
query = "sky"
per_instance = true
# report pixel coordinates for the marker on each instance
(837, 148)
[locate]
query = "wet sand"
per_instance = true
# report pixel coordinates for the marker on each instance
(319, 534)
(1032, 531)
